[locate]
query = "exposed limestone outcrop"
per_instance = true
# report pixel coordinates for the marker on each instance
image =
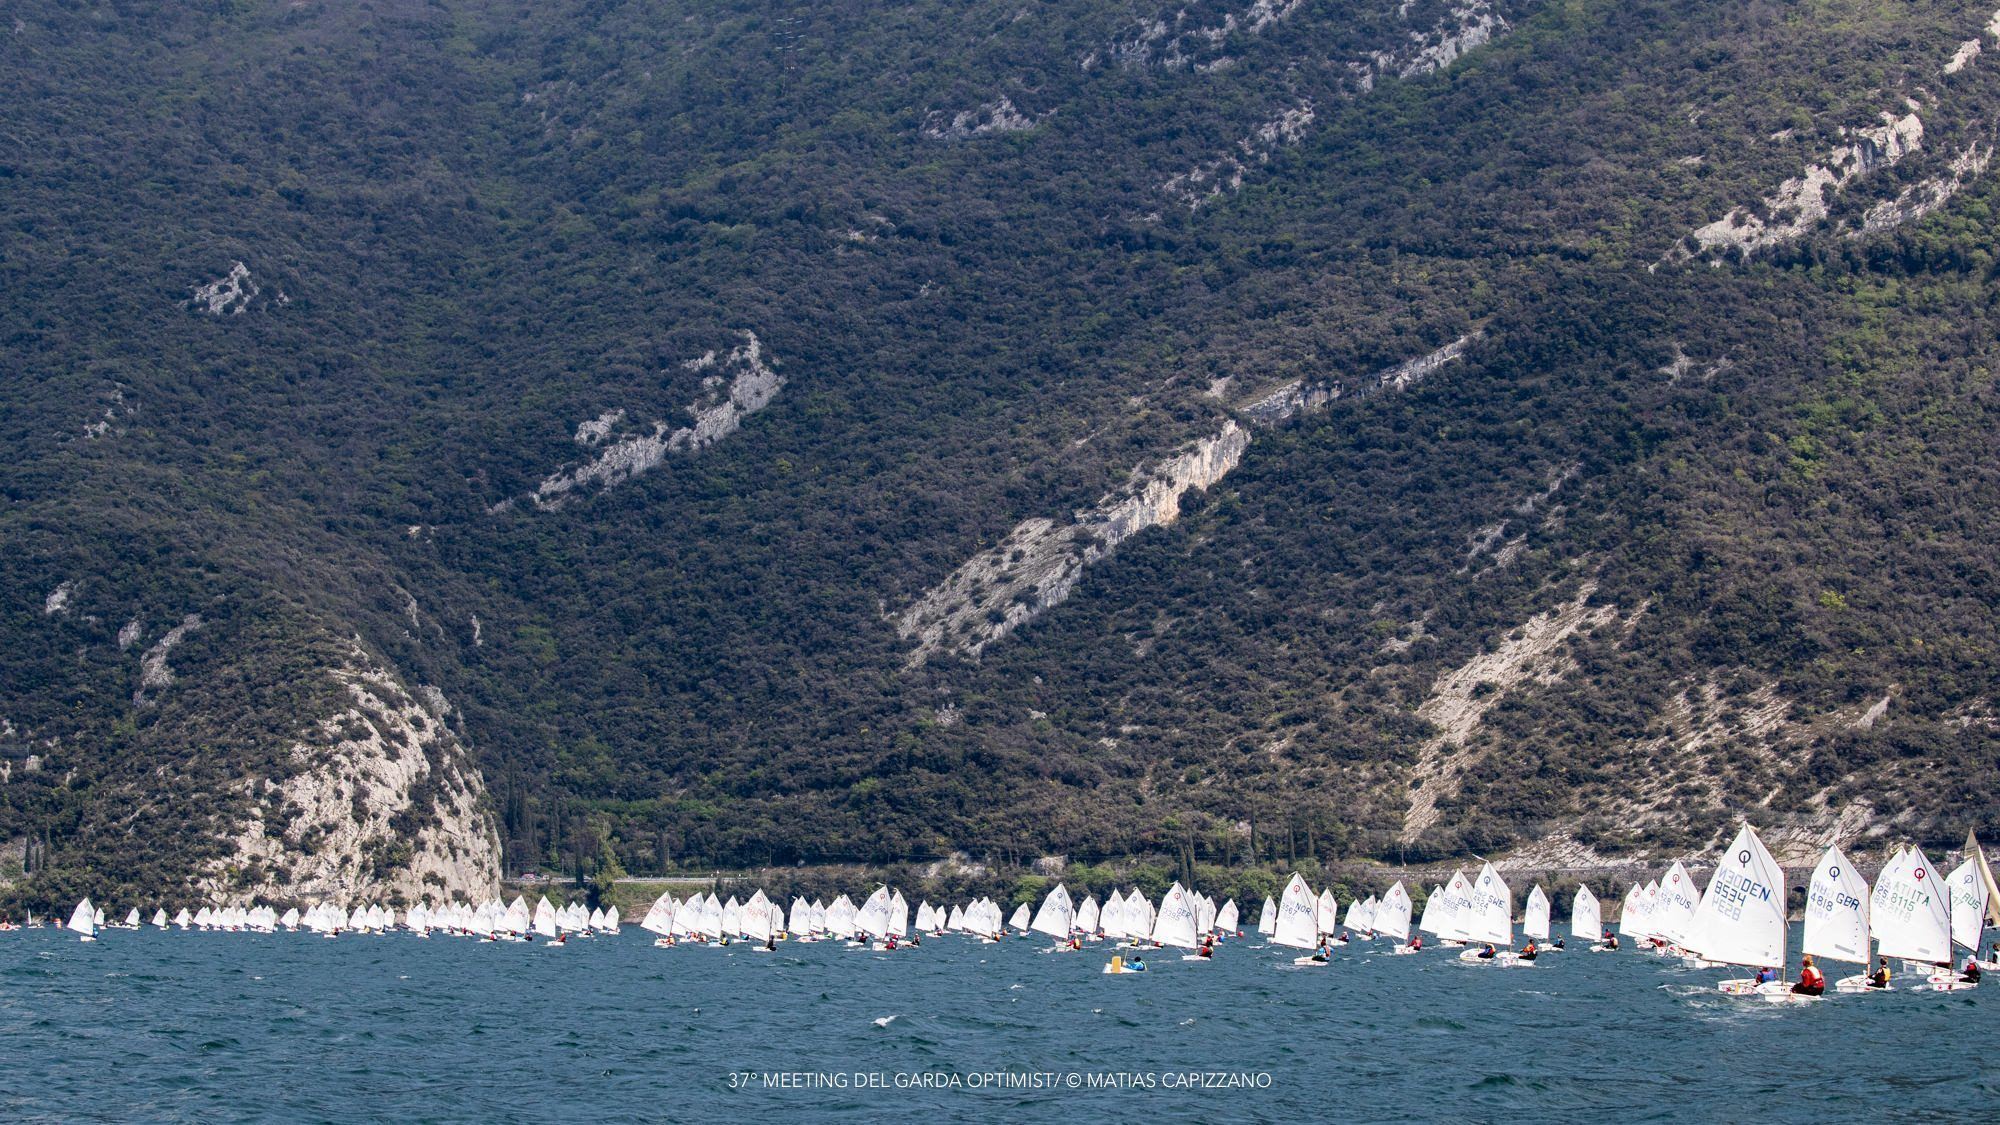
(386, 806)
(1460, 698)
(229, 294)
(154, 674)
(1925, 196)
(1961, 58)
(1305, 396)
(1225, 173)
(128, 634)
(1039, 562)
(597, 429)
(1470, 26)
(1176, 42)
(1802, 202)
(744, 382)
(58, 599)
(997, 116)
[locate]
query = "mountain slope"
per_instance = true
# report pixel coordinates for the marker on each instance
(873, 433)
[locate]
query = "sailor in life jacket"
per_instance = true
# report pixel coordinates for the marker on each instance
(1880, 978)
(1812, 982)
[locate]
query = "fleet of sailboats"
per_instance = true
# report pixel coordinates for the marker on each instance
(1911, 915)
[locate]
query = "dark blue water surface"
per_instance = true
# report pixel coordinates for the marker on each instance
(198, 1026)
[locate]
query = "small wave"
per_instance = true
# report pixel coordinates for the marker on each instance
(885, 1021)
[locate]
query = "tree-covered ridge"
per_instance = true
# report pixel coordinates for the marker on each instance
(475, 229)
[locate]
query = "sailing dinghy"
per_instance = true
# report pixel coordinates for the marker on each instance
(1741, 917)
(1296, 925)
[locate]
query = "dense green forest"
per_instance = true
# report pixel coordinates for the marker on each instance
(811, 306)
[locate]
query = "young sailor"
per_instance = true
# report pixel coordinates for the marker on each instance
(1324, 952)
(1207, 947)
(1880, 977)
(1766, 975)
(1416, 943)
(1488, 953)
(1609, 940)
(1970, 974)
(1529, 952)
(1812, 982)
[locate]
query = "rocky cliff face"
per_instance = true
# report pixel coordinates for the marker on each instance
(1037, 565)
(740, 382)
(386, 806)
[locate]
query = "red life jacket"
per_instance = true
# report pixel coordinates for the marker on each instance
(1812, 978)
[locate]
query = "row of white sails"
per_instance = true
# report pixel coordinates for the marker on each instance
(1182, 918)
(492, 919)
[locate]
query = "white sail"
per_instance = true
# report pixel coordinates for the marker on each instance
(160, 919)
(545, 918)
(659, 917)
(1427, 922)
(1836, 911)
(1673, 906)
(1267, 919)
(1086, 916)
(1392, 913)
(1297, 921)
(1910, 911)
(1329, 912)
(1492, 915)
(1586, 918)
(1535, 915)
(83, 919)
(801, 918)
(1968, 903)
(1175, 924)
(183, 919)
(1057, 914)
(1455, 913)
(1632, 916)
(1227, 918)
(755, 918)
(1020, 919)
(1741, 917)
(1111, 919)
(1978, 855)
(873, 917)
(1204, 914)
(899, 915)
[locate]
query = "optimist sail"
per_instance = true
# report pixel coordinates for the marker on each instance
(1535, 915)
(1086, 915)
(83, 919)
(1741, 917)
(1492, 916)
(1227, 918)
(1974, 852)
(1057, 915)
(1836, 911)
(1329, 912)
(1392, 913)
(1968, 904)
(1586, 917)
(1910, 912)
(1632, 917)
(873, 917)
(1267, 921)
(1020, 919)
(1673, 906)
(1455, 914)
(1297, 922)
(1175, 924)
(1431, 918)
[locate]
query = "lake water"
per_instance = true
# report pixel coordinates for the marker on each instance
(196, 1026)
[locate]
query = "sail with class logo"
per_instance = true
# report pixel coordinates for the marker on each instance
(1836, 925)
(1586, 917)
(1741, 917)
(1910, 911)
